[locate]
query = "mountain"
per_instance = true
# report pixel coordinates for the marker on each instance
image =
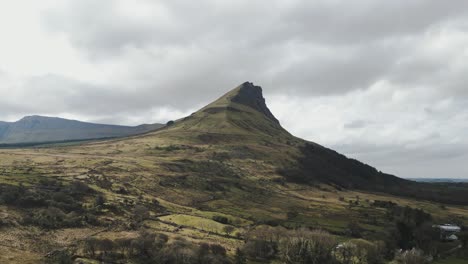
(242, 117)
(228, 174)
(39, 129)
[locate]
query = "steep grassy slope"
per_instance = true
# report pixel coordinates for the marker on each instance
(229, 164)
(34, 129)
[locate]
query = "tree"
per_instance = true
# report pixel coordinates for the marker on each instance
(260, 249)
(218, 250)
(140, 213)
(221, 219)
(463, 236)
(59, 256)
(228, 229)
(124, 244)
(354, 229)
(90, 246)
(306, 246)
(239, 257)
(106, 246)
(414, 256)
(100, 200)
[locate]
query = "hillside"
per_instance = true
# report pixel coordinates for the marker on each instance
(39, 129)
(228, 174)
(242, 116)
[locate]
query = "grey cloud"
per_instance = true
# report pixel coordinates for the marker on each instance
(98, 25)
(358, 43)
(356, 124)
(346, 22)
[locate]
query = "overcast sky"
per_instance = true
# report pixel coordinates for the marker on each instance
(381, 81)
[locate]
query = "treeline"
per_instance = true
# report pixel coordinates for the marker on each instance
(305, 246)
(147, 247)
(415, 237)
(263, 244)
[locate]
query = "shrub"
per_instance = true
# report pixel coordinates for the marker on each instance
(218, 250)
(239, 257)
(140, 213)
(260, 249)
(180, 251)
(305, 246)
(414, 256)
(100, 200)
(59, 256)
(49, 218)
(228, 229)
(53, 218)
(354, 230)
(79, 188)
(221, 219)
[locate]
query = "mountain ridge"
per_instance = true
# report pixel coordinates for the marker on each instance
(36, 129)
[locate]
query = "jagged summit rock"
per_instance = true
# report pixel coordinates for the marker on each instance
(246, 94)
(251, 95)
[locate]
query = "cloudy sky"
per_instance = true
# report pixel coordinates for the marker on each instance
(381, 81)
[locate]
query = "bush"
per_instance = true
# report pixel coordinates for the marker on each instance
(79, 188)
(10, 194)
(218, 250)
(414, 256)
(239, 257)
(305, 246)
(100, 200)
(360, 251)
(59, 257)
(140, 213)
(179, 251)
(49, 218)
(53, 218)
(260, 249)
(221, 219)
(354, 230)
(228, 230)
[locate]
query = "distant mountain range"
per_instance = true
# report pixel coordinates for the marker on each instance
(41, 129)
(439, 180)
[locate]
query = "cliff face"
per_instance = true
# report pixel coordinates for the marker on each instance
(252, 96)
